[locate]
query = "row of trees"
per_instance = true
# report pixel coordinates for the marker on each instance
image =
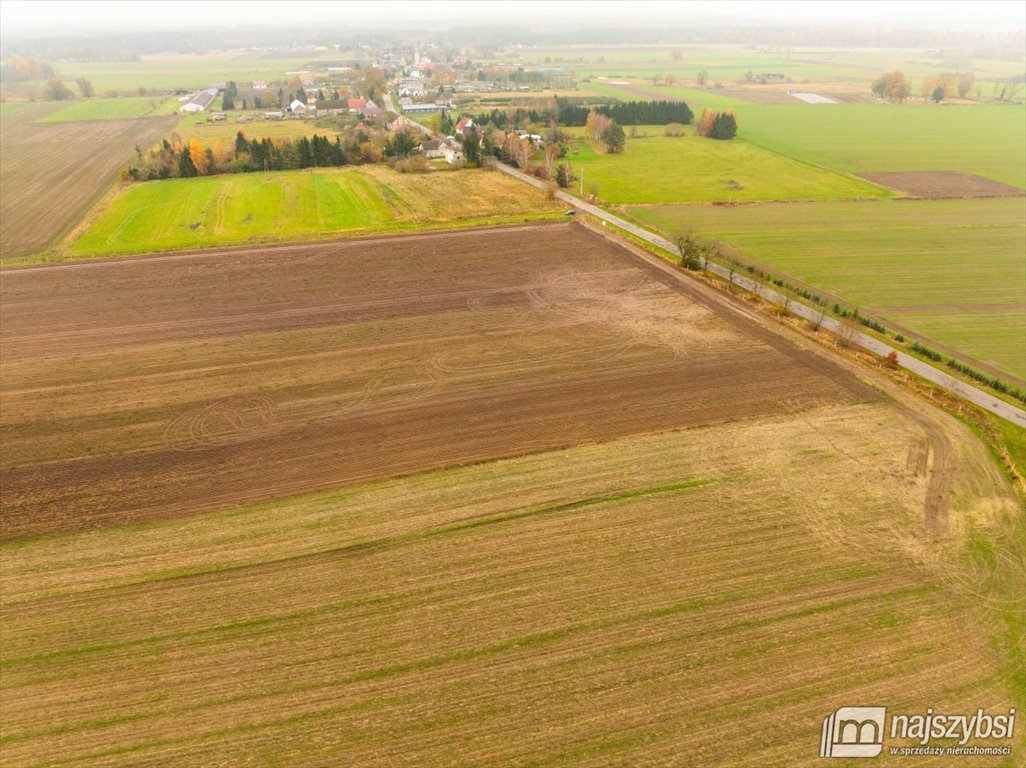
(626, 112)
(178, 159)
(570, 112)
(717, 125)
(894, 86)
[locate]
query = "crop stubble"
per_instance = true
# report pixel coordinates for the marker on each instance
(160, 387)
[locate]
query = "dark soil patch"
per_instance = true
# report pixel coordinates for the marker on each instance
(942, 184)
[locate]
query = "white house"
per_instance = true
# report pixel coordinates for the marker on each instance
(453, 152)
(298, 108)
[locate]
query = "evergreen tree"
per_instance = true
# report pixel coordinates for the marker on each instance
(241, 144)
(304, 153)
(186, 168)
(445, 124)
(472, 146)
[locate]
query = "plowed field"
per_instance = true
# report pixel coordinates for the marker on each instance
(50, 173)
(709, 539)
(166, 386)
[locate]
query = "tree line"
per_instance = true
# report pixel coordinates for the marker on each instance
(626, 112)
(187, 159)
(573, 114)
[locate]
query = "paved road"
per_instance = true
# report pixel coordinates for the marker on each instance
(857, 338)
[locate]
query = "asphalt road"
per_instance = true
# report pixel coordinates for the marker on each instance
(856, 338)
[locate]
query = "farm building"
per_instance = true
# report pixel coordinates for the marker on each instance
(200, 101)
(418, 109)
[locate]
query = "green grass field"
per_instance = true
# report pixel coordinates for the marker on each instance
(951, 270)
(200, 128)
(696, 98)
(108, 109)
(295, 205)
(694, 169)
(865, 138)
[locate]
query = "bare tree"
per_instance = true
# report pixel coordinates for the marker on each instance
(551, 156)
(733, 265)
(689, 249)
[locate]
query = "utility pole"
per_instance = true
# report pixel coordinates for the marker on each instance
(582, 179)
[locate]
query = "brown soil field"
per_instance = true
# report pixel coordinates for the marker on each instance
(757, 95)
(942, 184)
(51, 173)
(709, 538)
(172, 385)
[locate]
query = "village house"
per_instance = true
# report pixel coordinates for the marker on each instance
(259, 85)
(453, 152)
(357, 105)
(433, 148)
(463, 125)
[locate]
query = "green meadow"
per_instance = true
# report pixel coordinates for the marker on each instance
(865, 138)
(950, 270)
(297, 205)
(658, 169)
(111, 109)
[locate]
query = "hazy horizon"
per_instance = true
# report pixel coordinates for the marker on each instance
(44, 18)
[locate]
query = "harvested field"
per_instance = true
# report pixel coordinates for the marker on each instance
(943, 184)
(50, 173)
(619, 604)
(270, 372)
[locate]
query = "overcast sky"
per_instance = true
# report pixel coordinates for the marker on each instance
(40, 16)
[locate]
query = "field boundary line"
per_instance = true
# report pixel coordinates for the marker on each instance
(228, 250)
(849, 334)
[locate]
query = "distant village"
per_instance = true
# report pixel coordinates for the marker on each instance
(395, 91)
